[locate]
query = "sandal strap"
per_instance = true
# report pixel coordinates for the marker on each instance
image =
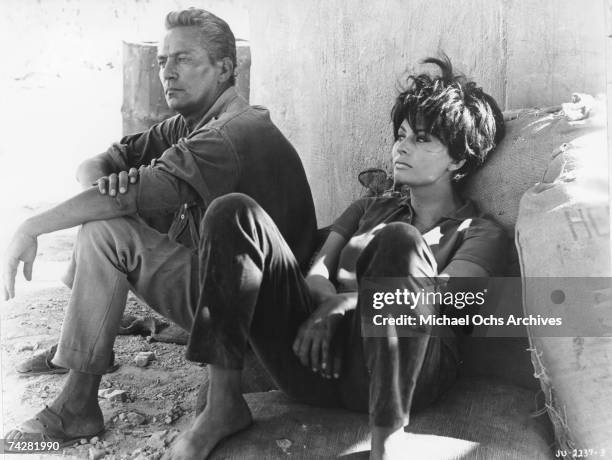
(50, 354)
(52, 422)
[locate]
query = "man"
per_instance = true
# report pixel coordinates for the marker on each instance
(216, 145)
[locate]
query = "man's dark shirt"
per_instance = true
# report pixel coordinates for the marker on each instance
(234, 148)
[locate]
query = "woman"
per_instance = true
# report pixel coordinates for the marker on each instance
(308, 331)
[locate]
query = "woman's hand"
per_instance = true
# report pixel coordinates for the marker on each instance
(317, 344)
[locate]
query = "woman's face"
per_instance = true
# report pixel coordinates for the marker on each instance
(421, 163)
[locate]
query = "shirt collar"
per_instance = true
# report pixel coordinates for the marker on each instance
(468, 209)
(221, 105)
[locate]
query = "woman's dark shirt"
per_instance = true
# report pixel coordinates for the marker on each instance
(463, 235)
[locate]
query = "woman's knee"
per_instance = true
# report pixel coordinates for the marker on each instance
(397, 235)
(398, 249)
(394, 240)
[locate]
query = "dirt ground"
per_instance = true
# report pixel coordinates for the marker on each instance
(160, 398)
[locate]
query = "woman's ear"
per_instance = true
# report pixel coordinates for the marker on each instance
(455, 165)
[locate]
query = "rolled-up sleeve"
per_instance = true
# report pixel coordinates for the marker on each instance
(206, 161)
(155, 191)
(161, 191)
(348, 222)
(195, 170)
(136, 150)
(118, 156)
(485, 244)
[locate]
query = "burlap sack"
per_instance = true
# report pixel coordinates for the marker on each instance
(517, 164)
(562, 234)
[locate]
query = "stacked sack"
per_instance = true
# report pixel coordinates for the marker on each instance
(563, 241)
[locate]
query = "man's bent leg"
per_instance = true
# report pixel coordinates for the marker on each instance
(110, 257)
(251, 291)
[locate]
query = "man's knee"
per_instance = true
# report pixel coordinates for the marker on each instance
(95, 231)
(232, 202)
(228, 207)
(113, 233)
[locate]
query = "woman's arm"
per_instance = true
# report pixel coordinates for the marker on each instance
(322, 272)
(462, 277)
(314, 341)
(463, 269)
(481, 255)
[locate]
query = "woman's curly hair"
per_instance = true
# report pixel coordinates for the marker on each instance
(465, 118)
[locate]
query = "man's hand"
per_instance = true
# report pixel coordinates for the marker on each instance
(315, 344)
(117, 183)
(21, 248)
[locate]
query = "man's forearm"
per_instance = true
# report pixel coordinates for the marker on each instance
(92, 169)
(85, 207)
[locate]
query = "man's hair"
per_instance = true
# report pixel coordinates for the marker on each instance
(465, 118)
(217, 37)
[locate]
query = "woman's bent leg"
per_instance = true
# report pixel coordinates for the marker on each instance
(408, 370)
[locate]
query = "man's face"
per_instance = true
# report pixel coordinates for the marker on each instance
(189, 78)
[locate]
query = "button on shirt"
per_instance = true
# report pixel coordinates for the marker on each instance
(234, 148)
(462, 235)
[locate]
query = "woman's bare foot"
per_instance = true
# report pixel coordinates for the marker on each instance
(223, 416)
(387, 443)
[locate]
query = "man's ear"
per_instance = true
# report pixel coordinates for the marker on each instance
(227, 69)
(456, 165)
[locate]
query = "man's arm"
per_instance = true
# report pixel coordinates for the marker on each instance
(130, 153)
(87, 206)
(84, 207)
(94, 168)
(158, 191)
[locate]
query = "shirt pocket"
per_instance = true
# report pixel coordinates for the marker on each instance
(184, 228)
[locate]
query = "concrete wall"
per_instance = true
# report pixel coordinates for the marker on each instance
(327, 69)
(608, 15)
(62, 82)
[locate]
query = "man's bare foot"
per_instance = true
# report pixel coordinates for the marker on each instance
(387, 443)
(221, 418)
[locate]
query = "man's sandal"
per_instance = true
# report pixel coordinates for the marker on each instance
(46, 426)
(41, 364)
